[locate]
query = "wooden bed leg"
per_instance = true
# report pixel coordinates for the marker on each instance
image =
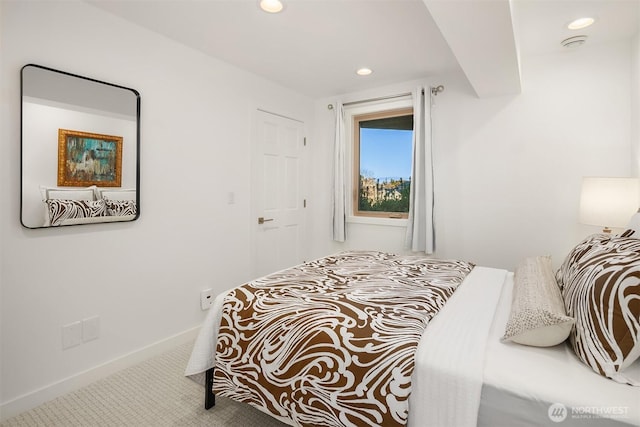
(209, 397)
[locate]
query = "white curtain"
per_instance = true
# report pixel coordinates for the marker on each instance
(420, 227)
(339, 201)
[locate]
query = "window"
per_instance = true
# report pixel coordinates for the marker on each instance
(382, 153)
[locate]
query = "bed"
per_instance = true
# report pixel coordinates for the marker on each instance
(521, 384)
(87, 205)
(464, 371)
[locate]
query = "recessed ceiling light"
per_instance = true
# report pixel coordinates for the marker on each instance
(580, 23)
(364, 71)
(271, 6)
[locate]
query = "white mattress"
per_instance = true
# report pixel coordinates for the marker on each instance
(521, 383)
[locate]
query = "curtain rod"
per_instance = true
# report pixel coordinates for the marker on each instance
(381, 98)
(434, 91)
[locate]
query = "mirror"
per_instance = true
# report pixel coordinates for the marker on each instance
(80, 150)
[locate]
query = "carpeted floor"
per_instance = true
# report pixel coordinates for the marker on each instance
(153, 393)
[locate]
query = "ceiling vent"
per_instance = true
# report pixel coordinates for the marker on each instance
(574, 41)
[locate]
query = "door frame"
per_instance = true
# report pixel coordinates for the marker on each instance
(254, 227)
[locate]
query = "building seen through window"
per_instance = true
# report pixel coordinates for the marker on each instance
(382, 173)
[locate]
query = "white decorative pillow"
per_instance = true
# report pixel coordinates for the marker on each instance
(62, 210)
(601, 290)
(537, 316)
(85, 193)
(116, 193)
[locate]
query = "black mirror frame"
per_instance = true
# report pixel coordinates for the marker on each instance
(137, 162)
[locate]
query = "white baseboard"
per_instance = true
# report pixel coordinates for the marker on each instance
(32, 399)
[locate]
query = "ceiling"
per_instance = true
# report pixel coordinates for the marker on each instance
(315, 46)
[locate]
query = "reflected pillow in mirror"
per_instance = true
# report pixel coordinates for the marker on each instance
(51, 193)
(116, 194)
(61, 210)
(87, 193)
(121, 207)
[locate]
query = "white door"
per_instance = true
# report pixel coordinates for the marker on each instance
(277, 193)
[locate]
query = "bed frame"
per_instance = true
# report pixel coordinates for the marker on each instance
(209, 397)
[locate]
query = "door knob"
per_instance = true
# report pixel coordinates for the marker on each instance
(262, 220)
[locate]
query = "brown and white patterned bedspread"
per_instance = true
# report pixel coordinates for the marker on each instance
(332, 342)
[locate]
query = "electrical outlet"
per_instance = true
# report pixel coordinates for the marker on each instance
(90, 329)
(206, 299)
(71, 335)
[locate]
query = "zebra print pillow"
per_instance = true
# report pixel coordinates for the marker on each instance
(121, 207)
(600, 282)
(61, 210)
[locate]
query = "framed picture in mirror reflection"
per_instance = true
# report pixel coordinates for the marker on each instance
(86, 159)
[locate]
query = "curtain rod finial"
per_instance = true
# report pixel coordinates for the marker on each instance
(330, 106)
(437, 89)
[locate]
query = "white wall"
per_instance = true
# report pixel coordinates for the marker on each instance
(143, 278)
(4, 178)
(508, 169)
(635, 101)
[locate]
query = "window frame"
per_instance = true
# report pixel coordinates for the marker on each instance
(353, 115)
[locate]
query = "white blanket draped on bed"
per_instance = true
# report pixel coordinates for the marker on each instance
(450, 357)
(447, 379)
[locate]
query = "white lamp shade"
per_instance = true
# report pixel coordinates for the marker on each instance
(609, 202)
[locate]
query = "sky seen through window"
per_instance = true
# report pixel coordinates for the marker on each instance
(385, 153)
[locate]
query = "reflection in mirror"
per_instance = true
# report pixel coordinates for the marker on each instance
(80, 150)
